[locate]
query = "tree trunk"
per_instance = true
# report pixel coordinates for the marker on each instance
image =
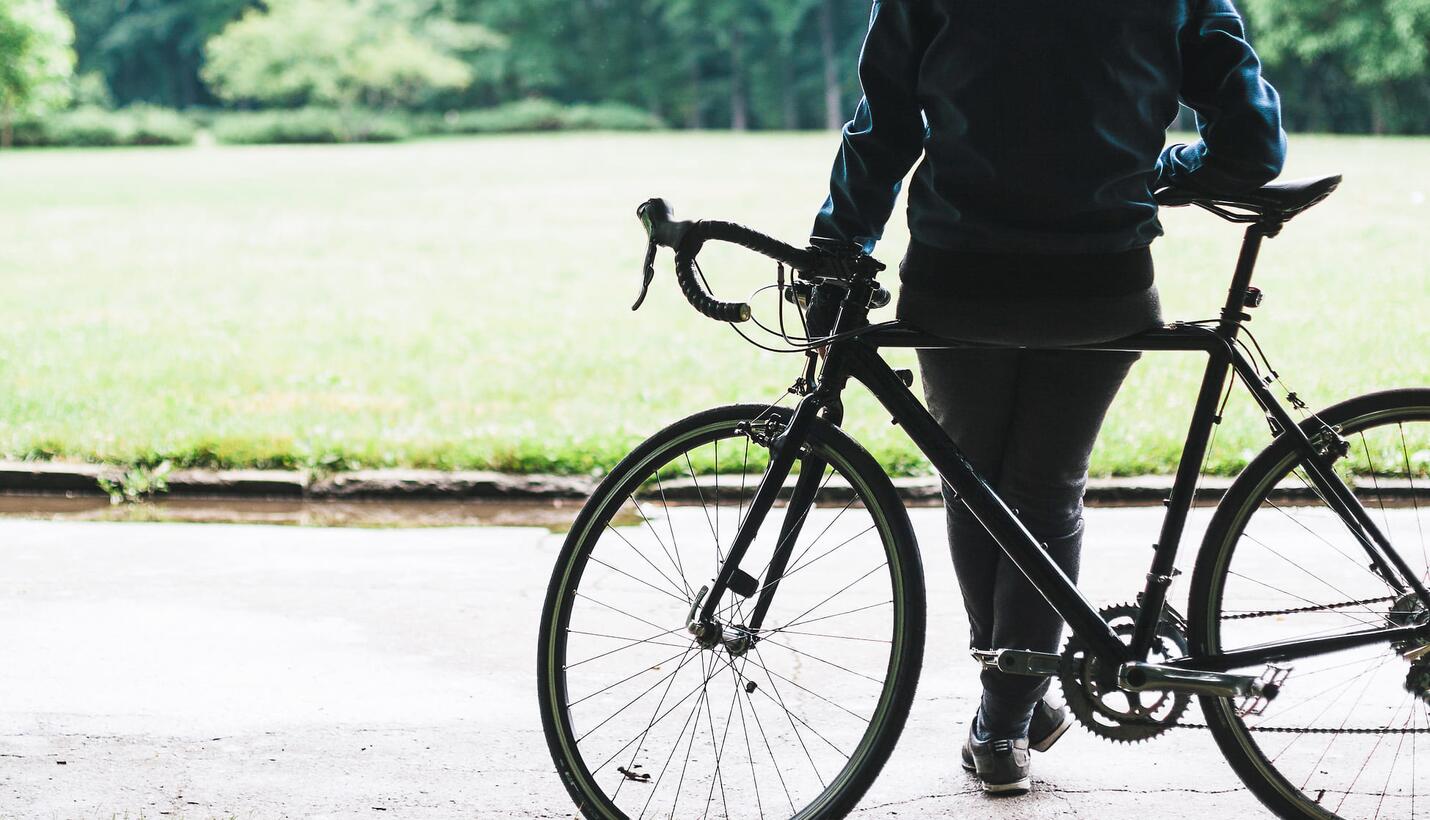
(739, 101)
(833, 109)
(789, 105)
(694, 118)
(7, 128)
(1382, 104)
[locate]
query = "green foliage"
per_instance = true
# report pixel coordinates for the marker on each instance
(91, 89)
(610, 116)
(153, 125)
(308, 125)
(544, 115)
(341, 53)
(1377, 40)
(92, 127)
(138, 483)
(97, 128)
(36, 60)
(1350, 64)
(693, 63)
(1341, 65)
(150, 50)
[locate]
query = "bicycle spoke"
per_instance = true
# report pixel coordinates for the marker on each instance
(660, 726)
(678, 596)
(791, 682)
(828, 617)
(1335, 740)
(695, 714)
(631, 643)
(667, 680)
(842, 590)
(640, 581)
(1414, 496)
(768, 642)
(674, 559)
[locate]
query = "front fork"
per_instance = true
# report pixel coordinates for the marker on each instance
(785, 450)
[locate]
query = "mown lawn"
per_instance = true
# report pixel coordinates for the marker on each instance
(465, 303)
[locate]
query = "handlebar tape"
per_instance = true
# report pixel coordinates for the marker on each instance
(687, 238)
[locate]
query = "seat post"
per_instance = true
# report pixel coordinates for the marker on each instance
(1232, 313)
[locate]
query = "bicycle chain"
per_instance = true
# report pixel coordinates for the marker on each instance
(1310, 730)
(1322, 608)
(1307, 730)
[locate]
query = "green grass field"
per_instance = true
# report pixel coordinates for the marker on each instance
(465, 303)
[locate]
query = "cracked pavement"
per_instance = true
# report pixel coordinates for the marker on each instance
(186, 670)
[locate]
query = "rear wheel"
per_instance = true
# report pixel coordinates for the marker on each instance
(643, 720)
(1344, 738)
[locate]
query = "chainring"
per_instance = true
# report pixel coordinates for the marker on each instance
(1109, 712)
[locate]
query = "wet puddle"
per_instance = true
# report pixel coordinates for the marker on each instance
(555, 515)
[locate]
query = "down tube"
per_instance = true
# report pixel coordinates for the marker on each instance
(990, 510)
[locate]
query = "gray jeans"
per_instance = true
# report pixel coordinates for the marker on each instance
(1027, 420)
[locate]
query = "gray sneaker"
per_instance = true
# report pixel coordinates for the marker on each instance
(1002, 764)
(1049, 723)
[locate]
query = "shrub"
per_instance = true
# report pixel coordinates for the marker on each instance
(90, 127)
(86, 127)
(308, 125)
(545, 115)
(611, 117)
(152, 125)
(523, 115)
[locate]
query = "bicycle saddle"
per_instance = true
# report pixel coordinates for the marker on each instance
(1278, 201)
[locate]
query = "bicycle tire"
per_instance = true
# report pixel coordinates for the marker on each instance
(895, 534)
(1290, 600)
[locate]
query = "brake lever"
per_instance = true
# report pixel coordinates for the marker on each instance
(649, 273)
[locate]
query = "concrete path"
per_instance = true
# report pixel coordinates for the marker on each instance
(203, 671)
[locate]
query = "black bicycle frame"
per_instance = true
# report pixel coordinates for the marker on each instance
(857, 357)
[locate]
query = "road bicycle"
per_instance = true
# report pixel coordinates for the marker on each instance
(735, 624)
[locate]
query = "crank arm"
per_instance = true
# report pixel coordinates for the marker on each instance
(1144, 677)
(1019, 661)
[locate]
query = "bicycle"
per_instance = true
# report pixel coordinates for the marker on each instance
(1306, 640)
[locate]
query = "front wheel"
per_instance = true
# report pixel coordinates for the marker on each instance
(1343, 738)
(642, 719)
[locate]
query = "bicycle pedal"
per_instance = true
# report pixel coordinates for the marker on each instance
(1267, 687)
(1019, 661)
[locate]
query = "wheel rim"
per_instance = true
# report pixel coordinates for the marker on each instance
(651, 722)
(1345, 738)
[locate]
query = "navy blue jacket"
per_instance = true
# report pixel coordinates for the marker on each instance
(1040, 122)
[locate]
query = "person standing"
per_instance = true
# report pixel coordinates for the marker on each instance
(1038, 129)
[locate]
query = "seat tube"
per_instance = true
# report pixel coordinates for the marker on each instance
(1232, 311)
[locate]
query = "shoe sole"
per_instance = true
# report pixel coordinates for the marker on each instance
(1016, 787)
(1047, 742)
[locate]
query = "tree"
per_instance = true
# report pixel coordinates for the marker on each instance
(786, 19)
(340, 52)
(150, 50)
(1375, 43)
(36, 61)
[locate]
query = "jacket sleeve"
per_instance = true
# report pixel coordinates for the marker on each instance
(886, 136)
(1241, 143)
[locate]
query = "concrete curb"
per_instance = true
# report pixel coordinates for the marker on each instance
(77, 479)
